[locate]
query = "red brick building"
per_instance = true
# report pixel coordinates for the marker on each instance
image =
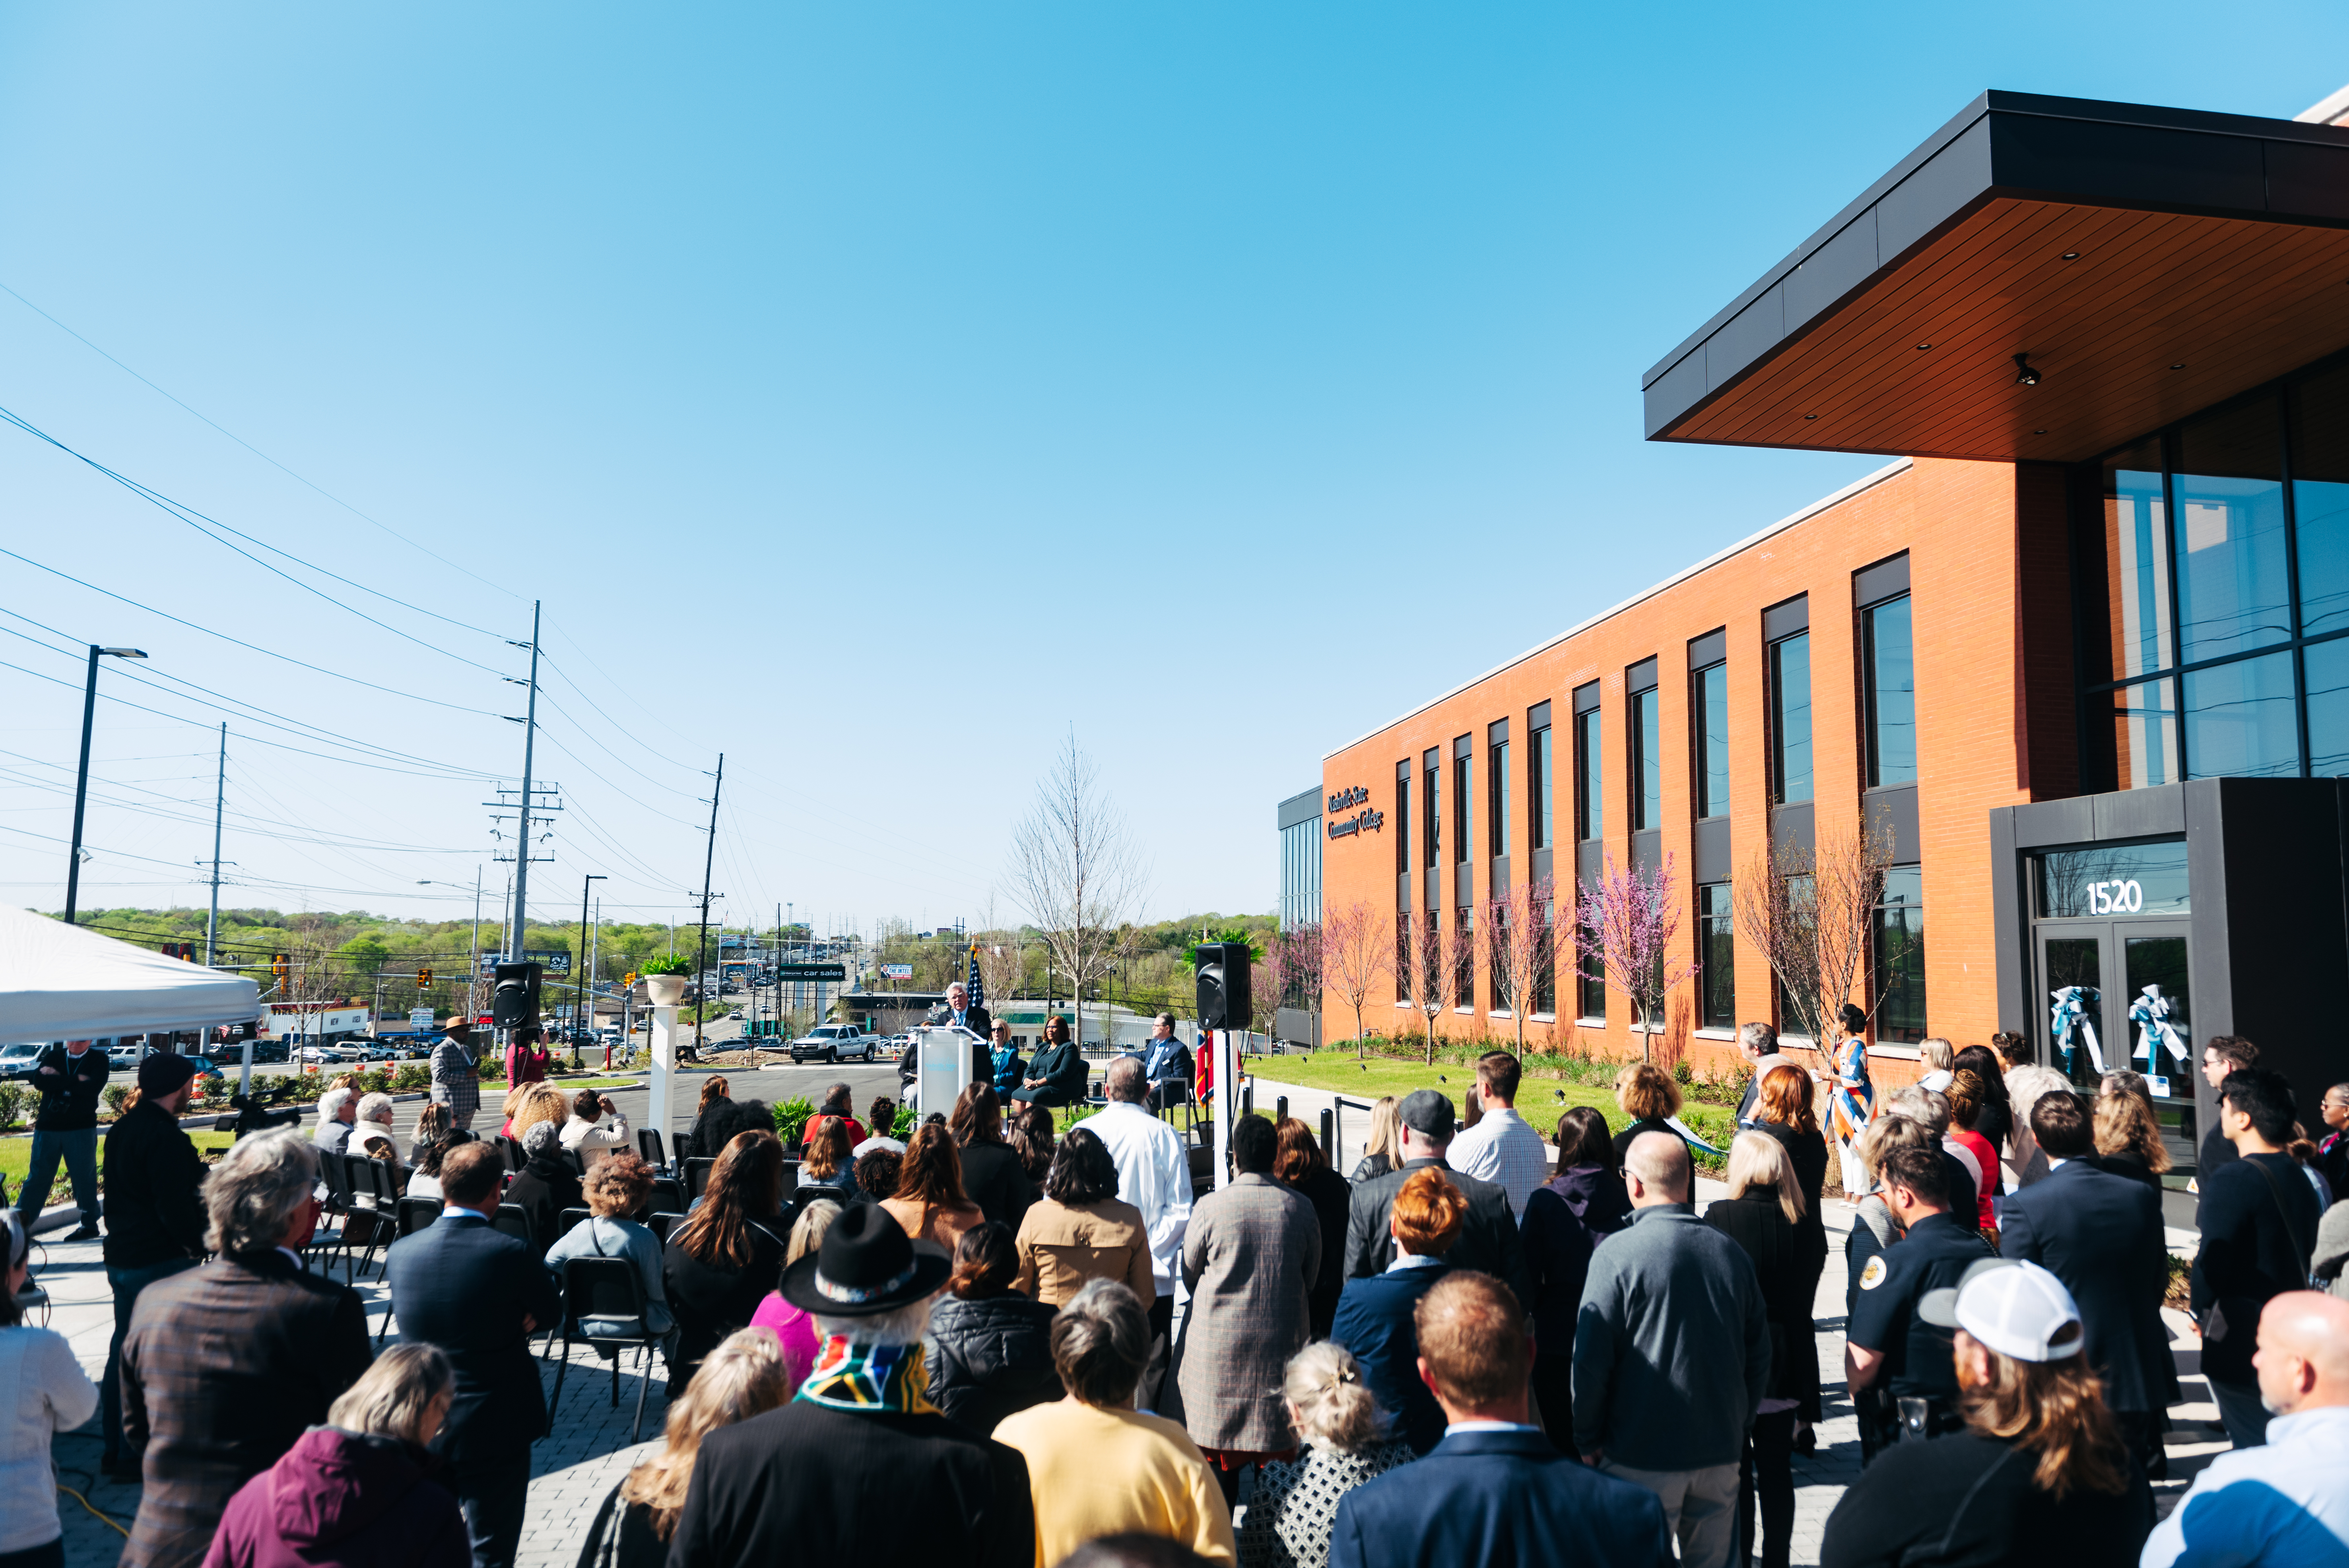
(2082, 654)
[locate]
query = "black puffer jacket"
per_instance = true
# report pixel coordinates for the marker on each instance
(990, 1357)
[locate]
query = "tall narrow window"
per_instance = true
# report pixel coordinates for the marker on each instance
(1709, 712)
(1795, 1013)
(1497, 825)
(1545, 966)
(1790, 720)
(1403, 820)
(1717, 952)
(1589, 790)
(1590, 982)
(1900, 957)
(1464, 959)
(1538, 784)
(1647, 762)
(1431, 810)
(1891, 666)
(1461, 839)
(1403, 972)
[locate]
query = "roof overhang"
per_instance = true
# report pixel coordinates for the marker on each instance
(2212, 253)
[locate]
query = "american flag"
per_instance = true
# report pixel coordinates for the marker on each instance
(977, 987)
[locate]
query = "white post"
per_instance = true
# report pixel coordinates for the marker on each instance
(1227, 1101)
(664, 1050)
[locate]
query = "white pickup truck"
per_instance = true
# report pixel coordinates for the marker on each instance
(835, 1043)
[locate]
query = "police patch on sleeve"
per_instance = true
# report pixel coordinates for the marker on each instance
(1873, 1274)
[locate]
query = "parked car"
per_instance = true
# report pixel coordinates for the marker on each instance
(16, 1060)
(736, 1014)
(836, 1043)
(124, 1058)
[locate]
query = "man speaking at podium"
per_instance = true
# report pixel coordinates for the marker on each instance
(958, 1010)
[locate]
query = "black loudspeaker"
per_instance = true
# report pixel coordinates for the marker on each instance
(1223, 971)
(513, 1001)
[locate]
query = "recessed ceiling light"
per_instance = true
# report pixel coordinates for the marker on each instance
(2179, 366)
(2039, 432)
(1922, 346)
(1810, 415)
(2071, 255)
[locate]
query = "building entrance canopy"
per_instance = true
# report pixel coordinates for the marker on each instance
(2147, 261)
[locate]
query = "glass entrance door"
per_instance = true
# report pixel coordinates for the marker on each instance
(2071, 1001)
(2095, 1015)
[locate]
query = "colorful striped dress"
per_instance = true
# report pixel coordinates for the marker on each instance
(1849, 1110)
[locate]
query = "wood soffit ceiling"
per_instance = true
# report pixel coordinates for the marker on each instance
(2160, 314)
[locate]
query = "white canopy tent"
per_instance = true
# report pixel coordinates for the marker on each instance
(58, 982)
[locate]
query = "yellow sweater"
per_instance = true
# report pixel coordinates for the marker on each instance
(1097, 1472)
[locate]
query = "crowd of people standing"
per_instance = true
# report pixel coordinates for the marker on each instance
(1489, 1345)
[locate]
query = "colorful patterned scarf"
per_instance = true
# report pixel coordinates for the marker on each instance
(852, 1377)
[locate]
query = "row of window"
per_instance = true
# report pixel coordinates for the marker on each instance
(2215, 593)
(1888, 704)
(1897, 976)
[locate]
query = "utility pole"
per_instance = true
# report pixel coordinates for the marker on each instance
(594, 953)
(708, 868)
(473, 954)
(81, 781)
(578, 1020)
(220, 797)
(514, 937)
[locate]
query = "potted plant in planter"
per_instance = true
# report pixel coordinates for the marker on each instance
(665, 980)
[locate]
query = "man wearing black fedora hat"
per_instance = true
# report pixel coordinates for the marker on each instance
(861, 1440)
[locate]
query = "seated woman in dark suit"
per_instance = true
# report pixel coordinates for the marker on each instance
(725, 1256)
(547, 1185)
(1056, 1075)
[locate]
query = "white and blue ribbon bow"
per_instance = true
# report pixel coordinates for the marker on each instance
(1693, 1141)
(2069, 1017)
(2150, 1014)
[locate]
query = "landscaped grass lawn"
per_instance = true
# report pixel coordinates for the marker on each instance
(1540, 1098)
(16, 1159)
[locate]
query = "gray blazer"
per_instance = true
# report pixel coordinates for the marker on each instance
(1249, 1258)
(454, 1084)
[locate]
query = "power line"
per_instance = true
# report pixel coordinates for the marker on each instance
(248, 446)
(203, 524)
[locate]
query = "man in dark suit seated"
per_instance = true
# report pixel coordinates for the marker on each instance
(2101, 1234)
(1488, 1238)
(478, 1295)
(1494, 1490)
(1165, 1065)
(861, 1442)
(226, 1366)
(1056, 1074)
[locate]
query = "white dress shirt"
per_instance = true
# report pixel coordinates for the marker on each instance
(1503, 1147)
(1154, 1174)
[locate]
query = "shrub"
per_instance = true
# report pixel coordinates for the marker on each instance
(790, 1119)
(410, 1076)
(113, 1094)
(907, 1119)
(13, 1098)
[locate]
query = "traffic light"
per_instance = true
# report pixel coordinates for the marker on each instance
(631, 980)
(514, 998)
(423, 978)
(1223, 972)
(281, 967)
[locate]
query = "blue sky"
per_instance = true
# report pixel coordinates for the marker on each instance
(1220, 380)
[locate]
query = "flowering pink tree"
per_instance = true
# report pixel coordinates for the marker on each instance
(1624, 923)
(1517, 939)
(1299, 963)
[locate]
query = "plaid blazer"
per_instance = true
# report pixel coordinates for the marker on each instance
(224, 1370)
(1250, 1256)
(453, 1083)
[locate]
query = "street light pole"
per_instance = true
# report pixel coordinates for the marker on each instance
(581, 989)
(81, 782)
(517, 935)
(708, 868)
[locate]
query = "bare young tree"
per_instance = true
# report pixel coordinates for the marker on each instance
(1002, 956)
(1358, 948)
(1624, 924)
(1076, 873)
(1299, 964)
(1438, 955)
(1517, 942)
(1811, 913)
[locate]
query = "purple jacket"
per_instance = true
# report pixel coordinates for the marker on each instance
(340, 1501)
(1563, 1221)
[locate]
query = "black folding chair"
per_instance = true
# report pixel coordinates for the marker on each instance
(514, 1221)
(411, 1215)
(338, 1204)
(648, 1146)
(513, 1150)
(578, 1160)
(696, 1178)
(565, 1221)
(667, 1197)
(660, 1224)
(790, 1178)
(611, 1294)
(362, 1214)
(686, 1149)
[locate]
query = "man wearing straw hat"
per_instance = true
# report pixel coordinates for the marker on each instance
(454, 1083)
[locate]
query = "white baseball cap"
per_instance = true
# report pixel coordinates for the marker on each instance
(2016, 1308)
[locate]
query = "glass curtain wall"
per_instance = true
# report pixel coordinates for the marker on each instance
(1300, 874)
(2221, 551)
